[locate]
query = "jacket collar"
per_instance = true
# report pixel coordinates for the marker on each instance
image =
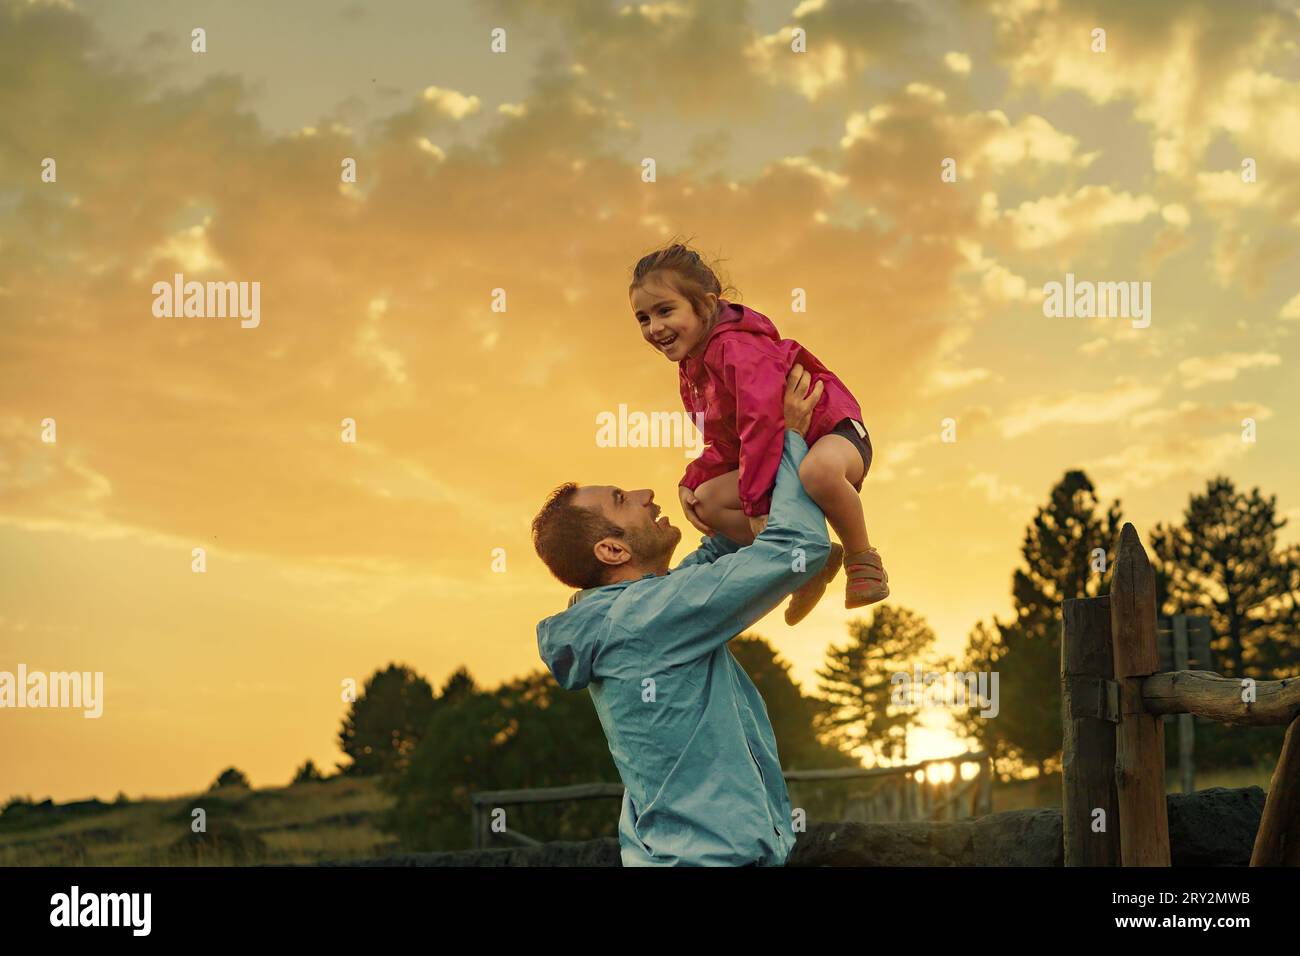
(727, 313)
(577, 596)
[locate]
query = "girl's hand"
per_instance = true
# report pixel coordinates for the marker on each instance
(689, 503)
(757, 525)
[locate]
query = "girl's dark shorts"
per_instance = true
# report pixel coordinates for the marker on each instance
(856, 432)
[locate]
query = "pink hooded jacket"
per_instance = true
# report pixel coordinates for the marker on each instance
(738, 383)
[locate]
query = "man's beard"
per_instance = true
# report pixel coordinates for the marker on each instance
(653, 547)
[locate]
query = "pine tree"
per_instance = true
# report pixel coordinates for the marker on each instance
(855, 686)
(308, 773)
(1224, 563)
(1065, 551)
(984, 649)
(458, 686)
(791, 713)
(386, 723)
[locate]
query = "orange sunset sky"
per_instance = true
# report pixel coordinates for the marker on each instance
(522, 171)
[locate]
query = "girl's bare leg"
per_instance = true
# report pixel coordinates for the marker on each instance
(720, 508)
(828, 472)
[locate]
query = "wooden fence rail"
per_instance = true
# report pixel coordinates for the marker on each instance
(1113, 698)
(979, 790)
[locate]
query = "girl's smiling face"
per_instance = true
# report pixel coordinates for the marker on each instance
(667, 320)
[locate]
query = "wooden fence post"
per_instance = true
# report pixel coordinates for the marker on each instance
(1186, 722)
(1140, 739)
(1278, 841)
(1088, 715)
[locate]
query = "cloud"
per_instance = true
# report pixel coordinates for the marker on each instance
(844, 39)
(450, 103)
(1079, 408)
(917, 121)
(1291, 311)
(999, 491)
(1172, 60)
(1054, 220)
(1171, 457)
(948, 380)
(376, 297)
(1197, 74)
(957, 62)
(376, 306)
(1205, 370)
(1194, 417)
(892, 455)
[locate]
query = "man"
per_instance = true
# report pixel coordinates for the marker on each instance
(686, 727)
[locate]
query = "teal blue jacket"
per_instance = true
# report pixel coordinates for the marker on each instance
(686, 727)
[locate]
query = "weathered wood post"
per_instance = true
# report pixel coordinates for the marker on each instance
(1089, 712)
(1278, 841)
(1186, 722)
(1140, 738)
(481, 820)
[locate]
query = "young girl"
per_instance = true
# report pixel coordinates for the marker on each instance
(732, 365)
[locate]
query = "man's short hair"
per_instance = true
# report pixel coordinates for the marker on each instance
(565, 537)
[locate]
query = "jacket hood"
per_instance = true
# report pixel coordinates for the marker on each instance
(734, 318)
(567, 641)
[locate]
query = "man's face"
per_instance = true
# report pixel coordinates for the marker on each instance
(667, 320)
(649, 535)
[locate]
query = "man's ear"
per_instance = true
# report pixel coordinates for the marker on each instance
(612, 551)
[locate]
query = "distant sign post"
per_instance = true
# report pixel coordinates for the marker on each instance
(1184, 645)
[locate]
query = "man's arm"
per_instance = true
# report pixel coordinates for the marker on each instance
(692, 611)
(710, 549)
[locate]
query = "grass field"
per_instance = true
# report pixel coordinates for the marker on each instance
(303, 823)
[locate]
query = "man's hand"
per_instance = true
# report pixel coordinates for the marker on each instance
(757, 525)
(799, 401)
(689, 502)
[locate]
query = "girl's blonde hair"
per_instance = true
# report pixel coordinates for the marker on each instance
(686, 271)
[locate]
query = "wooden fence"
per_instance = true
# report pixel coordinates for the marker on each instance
(902, 799)
(905, 793)
(1113, 699)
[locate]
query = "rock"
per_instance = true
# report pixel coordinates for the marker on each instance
(1015, 838)
(1214, 827)
(603, 852)
(1020, 838)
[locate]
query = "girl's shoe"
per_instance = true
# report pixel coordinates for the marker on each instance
(867, 580)
(806, 598)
